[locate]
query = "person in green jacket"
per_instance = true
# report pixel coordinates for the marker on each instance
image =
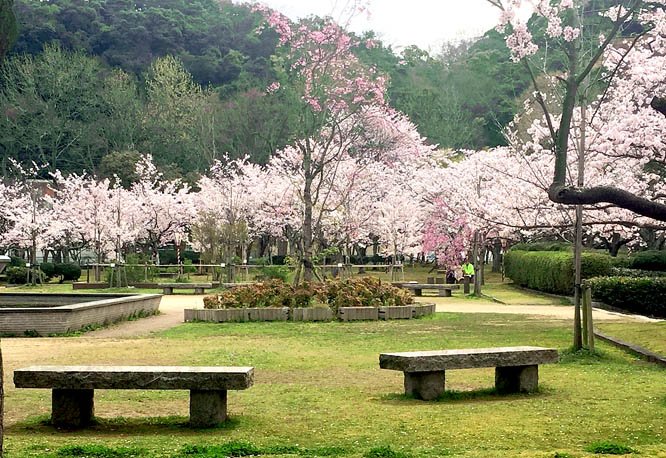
(468, 270)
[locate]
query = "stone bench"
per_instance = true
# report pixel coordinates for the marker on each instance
(443, 290)
(73, 388)
(199, 288)
(516, 368)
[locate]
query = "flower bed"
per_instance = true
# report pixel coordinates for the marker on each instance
(347, 300)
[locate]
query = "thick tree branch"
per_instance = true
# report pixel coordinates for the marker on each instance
(659, 104)
(607, 194)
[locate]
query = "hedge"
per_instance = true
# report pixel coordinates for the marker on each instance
(552, 271)
(648, 260)
(644, 296)
(543, 246)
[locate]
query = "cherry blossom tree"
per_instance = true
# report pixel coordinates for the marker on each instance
(165, 208)
(226, 209)
(95, 214)
(28, 216)
(334, 88)
(567, 30)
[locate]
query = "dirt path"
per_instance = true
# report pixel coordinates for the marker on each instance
(171, 314)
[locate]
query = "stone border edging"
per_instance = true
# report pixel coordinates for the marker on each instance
(308, 314)
(635, 349)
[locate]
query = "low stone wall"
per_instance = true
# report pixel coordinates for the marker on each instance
(237, 315)
(309, 314)
(396, 313)
(312, 314)
(100, 310)
(358, 313)
(419, 310)
(268, 314)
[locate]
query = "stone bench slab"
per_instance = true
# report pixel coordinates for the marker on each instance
(135, 377)
(73, 387)
(439, 360)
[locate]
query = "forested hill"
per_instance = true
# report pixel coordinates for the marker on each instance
(217, 41)
(88, 85)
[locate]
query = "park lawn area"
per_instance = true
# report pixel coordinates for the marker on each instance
(651, 336)
(319, 392)
(510, 294)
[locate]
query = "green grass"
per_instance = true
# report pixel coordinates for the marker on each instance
(651, 336)
(610, 448)
(509, 294)
(319, 392)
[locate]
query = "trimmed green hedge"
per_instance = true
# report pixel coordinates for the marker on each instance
(644, 296)
(542, 246)
(648, 260)
(552, 271)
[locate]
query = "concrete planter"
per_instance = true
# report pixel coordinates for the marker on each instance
(312, 314)
(405, 312)
(217, 315)
(420, 310)
(358, 313)
(268, 314)
(44, 314)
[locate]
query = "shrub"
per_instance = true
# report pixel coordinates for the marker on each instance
(278, 260)
(645, 296)
(367, 291)
(635, 273)
(552, 271)
(648, 260)
(68, 271)
(16, 275)
(16, 261)
(188, 267)
(136, 273)
(276, 272)
(49, 269)
(542, 246)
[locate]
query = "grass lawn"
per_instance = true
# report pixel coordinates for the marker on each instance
(319, 392)
(647, 335)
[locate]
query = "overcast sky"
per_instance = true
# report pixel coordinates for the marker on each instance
(425, 23)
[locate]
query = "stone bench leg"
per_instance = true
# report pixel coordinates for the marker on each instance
(425, 385)
(167, 290)
(445, 293)
(198, 290)
(72, 408)
(418, 292)
(207, 408)
(517, 379)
